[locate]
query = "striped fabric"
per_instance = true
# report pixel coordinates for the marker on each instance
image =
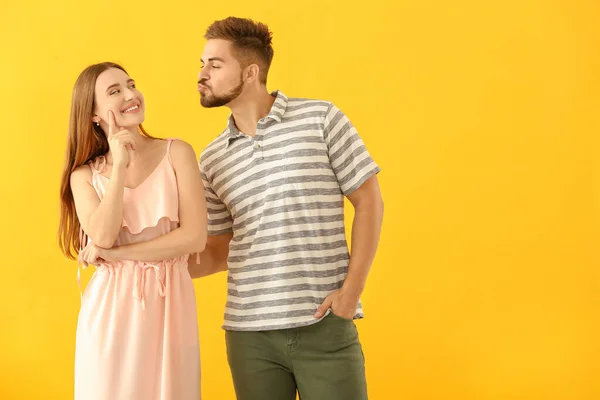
(281, 193)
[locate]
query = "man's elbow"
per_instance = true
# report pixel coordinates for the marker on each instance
(373, 204)
(380, 204)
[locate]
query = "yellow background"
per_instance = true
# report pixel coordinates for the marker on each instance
(483, 116)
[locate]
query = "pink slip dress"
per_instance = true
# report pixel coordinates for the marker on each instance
(137, 332)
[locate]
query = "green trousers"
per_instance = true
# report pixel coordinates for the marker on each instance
(323, 361)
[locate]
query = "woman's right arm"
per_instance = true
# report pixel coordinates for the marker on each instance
(100, 219)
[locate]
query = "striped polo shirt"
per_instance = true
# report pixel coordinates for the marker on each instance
(281, 194)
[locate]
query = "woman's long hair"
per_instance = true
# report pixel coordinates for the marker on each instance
(86, 141)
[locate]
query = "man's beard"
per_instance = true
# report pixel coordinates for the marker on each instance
(210, 101)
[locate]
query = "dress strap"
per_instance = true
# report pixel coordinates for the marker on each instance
(169, 142)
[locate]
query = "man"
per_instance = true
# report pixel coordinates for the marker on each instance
(275, 182)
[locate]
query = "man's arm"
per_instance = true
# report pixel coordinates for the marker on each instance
(356, 172)
(214, 257)
(366, 227)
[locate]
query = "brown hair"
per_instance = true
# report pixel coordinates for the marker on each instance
(86, 141)
(251, 41)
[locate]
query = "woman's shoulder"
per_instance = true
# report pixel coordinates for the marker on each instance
(83, 173)
(179, 147)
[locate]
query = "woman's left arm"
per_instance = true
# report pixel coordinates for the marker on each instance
(190, 236)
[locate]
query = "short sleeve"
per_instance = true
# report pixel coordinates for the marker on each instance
(219, 218)
(350, 160)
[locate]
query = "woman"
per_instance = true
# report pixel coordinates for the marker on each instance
(133, 206)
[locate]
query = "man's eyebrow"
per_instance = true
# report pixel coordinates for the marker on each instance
(212, 59)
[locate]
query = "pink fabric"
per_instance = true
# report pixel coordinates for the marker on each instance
(137, 333)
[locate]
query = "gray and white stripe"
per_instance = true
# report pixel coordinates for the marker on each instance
(281, 193)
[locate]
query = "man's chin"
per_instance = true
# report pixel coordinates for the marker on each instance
(212, 103)
(206, 103)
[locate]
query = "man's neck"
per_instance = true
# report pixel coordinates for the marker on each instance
(249, 108)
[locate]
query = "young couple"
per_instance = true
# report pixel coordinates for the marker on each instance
(265, 204)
